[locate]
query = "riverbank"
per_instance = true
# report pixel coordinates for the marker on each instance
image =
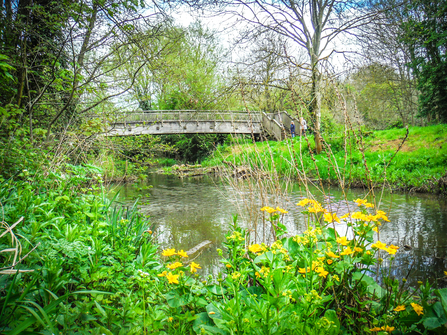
(413, 162)
(92, 265)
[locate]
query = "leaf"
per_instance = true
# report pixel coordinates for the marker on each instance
(100, 309)
(201, 320)
(176, 298)
(370, 284)
(331, 315)
(213, 311)
(442, 294)
(434, 316)
(47, 309)
(216, 289)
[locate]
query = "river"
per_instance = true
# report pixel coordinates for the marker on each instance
(188, 211)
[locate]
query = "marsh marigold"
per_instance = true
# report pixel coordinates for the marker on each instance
(172, 279)
(182, 253)
(417, 308)
(169, 252)
(194, 267)
(255, 248)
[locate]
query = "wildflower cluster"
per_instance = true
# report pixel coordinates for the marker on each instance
(177, 268)
(318, 280)
(317, 268)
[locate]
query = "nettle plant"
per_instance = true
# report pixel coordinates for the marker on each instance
(314, 283)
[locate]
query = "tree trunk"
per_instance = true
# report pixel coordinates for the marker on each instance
(315, 108)
(315, 94)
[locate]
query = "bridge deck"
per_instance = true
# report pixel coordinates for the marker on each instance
(205, 122)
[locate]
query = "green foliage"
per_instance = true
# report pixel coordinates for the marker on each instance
(96, 269)
(193, 147)
(85, 245)
(420, 165)
(425, 34)
(383, 98)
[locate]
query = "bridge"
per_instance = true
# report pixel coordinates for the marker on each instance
(163, 122)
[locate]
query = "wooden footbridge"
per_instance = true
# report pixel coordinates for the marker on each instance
(163, 122)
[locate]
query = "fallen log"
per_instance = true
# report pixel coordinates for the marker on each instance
(198, 247)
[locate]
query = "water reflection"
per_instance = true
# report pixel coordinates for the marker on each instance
(190, 210)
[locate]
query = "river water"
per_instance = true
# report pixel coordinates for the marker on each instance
(188, 211)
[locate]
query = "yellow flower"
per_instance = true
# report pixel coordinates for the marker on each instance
(387, 328)
(283, 211)
(172, 279)
(344, 216)
(379, 245)
(417, 308)
(302, 270)
(381, 215)
(182, 254)
(331, 254)
(257, 274)
(255, 248)
(336, 277)
(342, 240)
(194, 267)
(265, 271)
(358, 249)
(368, 205)
(162, 274)
(445, 273)
(329, 261)
(228, 266)
(376, 229)
(235, 275)
(170, 319)
(321, 271)
(329, 217)
(369, 218)
(212, 313)
(399, 308)
(357, 215)
(347, 251)
(268, 209)
(360, 202)
(169, 252)
(368, 252)
(303, 202)
(375, 329)
(174, 265)
(316, 208)
(391, 251)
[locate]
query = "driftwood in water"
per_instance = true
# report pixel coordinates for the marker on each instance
(198, 247)
(244, 172)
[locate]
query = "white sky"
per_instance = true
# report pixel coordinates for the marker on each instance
(218, 23)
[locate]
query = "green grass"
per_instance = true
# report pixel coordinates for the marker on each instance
(419, 164)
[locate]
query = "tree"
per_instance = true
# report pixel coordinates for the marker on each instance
(183, 71)
(60, 52)
(311, 24)
(425, 34)
(382, 47)
(381, 96)
(264, 70)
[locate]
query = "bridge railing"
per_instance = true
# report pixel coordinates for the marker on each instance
(186, 115)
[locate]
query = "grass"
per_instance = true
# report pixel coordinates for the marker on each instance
(419, 164)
